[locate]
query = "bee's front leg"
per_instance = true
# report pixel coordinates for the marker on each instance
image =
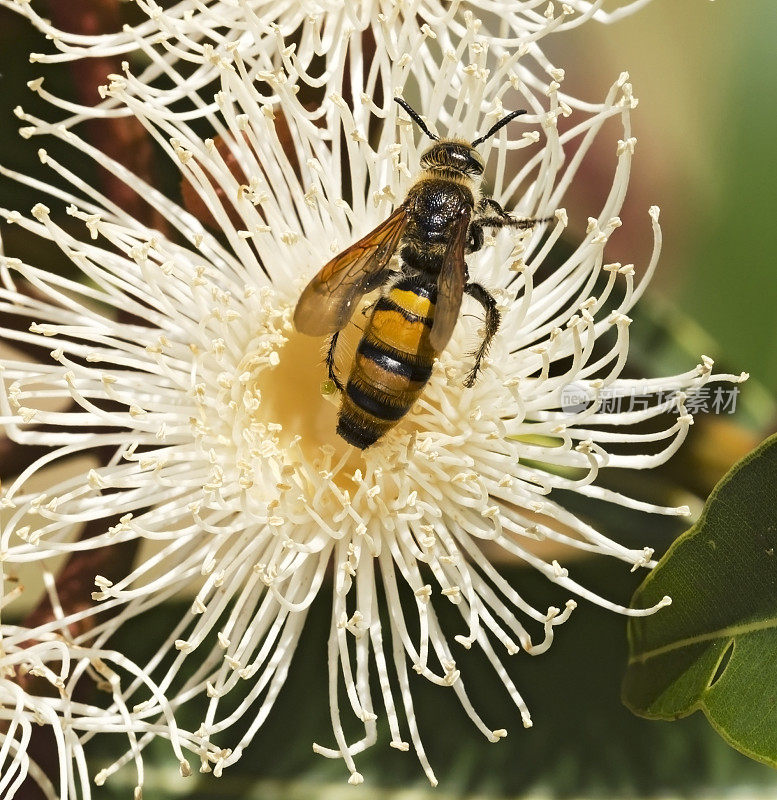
(492, 215)
(492, 320)
(486, 204)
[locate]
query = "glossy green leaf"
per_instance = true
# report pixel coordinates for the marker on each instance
(715, 647)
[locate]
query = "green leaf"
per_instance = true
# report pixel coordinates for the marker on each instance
(715, 647)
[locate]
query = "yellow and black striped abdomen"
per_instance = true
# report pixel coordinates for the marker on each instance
(393, 362)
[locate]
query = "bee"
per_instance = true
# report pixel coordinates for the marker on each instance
(439, 222)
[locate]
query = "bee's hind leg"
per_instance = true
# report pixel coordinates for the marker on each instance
(330, 362)
(492, 320)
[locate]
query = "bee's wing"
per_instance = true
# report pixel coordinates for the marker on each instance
(327, 303)
(451, 282)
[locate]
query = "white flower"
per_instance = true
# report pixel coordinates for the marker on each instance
(179, 352)
(22, 712)
(62, 695)
(271, 35)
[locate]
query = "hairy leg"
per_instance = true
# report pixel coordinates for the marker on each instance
(491, 215)
(493, 317)
(330, 361)
(474, 237)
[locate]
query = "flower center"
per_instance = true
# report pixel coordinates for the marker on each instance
(292, 395)
(295, 397)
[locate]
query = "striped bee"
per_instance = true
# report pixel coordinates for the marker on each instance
(441, 219)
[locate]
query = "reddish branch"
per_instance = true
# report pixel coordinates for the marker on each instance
(17, 457)
(75, 581)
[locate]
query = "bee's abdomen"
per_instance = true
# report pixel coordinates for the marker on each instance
(392, 365)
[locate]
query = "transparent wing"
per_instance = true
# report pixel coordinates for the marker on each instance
(450, 284)
(328, 301)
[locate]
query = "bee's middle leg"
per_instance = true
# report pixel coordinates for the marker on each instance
(475, 237)
(330, 362)
(492, 320)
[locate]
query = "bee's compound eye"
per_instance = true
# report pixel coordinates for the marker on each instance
(472, 163)
(428, 157)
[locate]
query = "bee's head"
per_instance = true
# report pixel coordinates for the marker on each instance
(453, 155)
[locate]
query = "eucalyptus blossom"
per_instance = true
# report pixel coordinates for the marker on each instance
(178, 353)
(62, 695)
(179, 49)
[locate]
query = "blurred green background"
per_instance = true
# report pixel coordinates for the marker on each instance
(705, 74)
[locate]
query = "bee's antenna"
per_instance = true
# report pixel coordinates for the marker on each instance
(502, 122)
(417, 118)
